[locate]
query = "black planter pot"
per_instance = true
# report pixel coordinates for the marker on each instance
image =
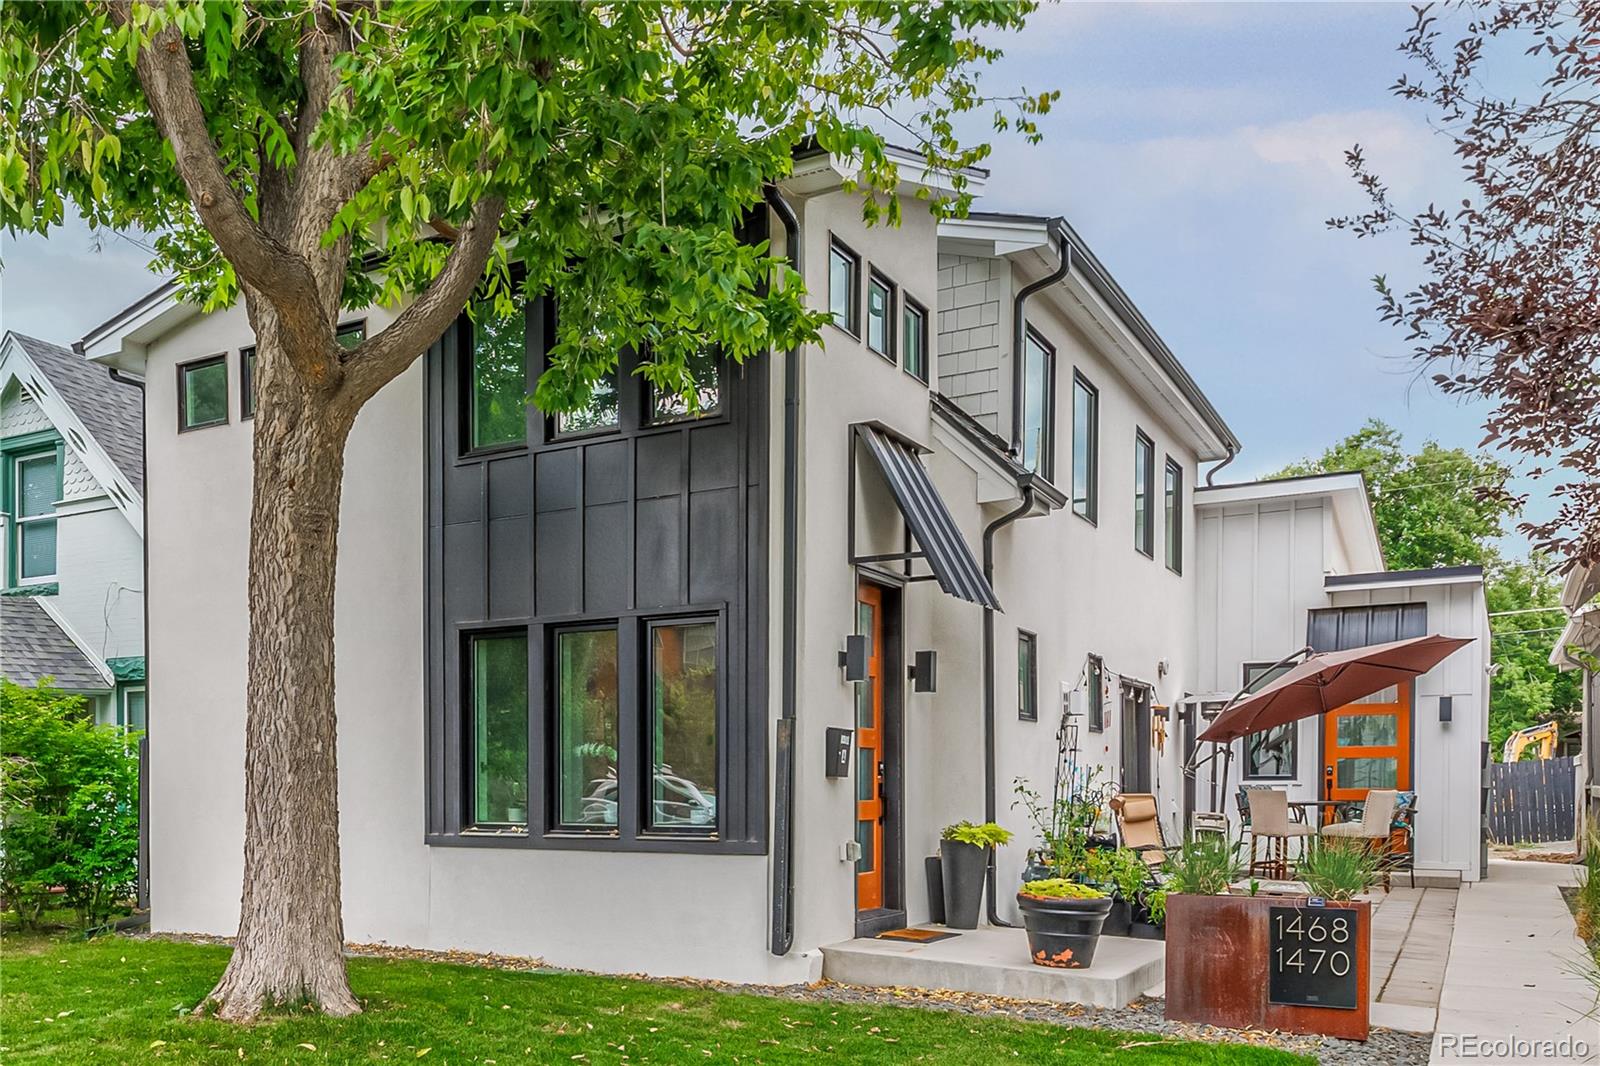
(1147, 931)
(1119, 919)
(931, 866)
(1063, 933)
(962, 866)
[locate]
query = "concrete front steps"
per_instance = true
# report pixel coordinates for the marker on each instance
(994, 961)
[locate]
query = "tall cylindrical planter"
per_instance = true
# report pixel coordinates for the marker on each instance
(963, 866)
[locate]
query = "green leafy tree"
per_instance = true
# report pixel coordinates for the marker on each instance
(1446, 507)
(308, 155)
(70, 791)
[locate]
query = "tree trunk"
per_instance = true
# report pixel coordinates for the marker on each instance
(291, 930)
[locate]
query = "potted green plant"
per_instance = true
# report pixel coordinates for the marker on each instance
(963, 857)
(1121, 873)
(1064, 920)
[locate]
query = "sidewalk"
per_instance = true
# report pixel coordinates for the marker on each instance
(1512, 972)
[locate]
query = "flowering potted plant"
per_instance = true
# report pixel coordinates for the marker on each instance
(1064, 919)
(964, 856)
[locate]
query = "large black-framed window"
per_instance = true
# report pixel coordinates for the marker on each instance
(1027, 676)
(1085, 448)
(203, 393)
(1038, 405)
(844, 287)
(633, 530)
(496, 697)
(914, 338)
(1094, 681)
(1271, 754)
(880, 315)
(1144, 493)
(1173, 512)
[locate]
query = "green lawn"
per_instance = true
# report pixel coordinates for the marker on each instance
(123, 1000)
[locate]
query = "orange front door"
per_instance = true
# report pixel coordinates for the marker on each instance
(870, 751)
(1367, 745)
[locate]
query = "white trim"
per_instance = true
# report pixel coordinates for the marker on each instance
(823, 172)
(1380, 583)
(1582, 632)
(17, 365)
(95, 661)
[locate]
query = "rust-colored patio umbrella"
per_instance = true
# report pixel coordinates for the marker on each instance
(1326, 681)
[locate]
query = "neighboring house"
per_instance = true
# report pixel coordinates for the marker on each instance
(607, 652)
(72, 517)
(1578, 648)
(1296, 562)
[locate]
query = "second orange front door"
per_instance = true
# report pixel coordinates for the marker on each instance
(870, 751)
(1367, 745)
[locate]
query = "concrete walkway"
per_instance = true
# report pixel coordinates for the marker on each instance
(1512, 973)
(1410, 948)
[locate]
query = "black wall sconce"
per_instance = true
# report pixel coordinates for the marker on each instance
(853, 660)
(924, 672)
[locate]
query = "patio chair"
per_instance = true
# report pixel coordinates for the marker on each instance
(1270, 822)
(1139, 828)
(1374, 827)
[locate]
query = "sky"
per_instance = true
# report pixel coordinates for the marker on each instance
(1198, 148)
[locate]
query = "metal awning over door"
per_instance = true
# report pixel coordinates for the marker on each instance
(927, 517)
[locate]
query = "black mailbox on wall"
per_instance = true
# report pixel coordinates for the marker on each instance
(838, 755)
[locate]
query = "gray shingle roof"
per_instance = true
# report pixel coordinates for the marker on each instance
(113, 413)
(32, 647)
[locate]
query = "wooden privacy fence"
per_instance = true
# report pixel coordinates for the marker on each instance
(1533, 802)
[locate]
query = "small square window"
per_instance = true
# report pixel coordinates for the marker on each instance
(705, 370)
(844, 288)
(1027, 676)
(203, 393)
(498, 412)
(350, 334)
(682, 727)
(880, 315)
(914, 339)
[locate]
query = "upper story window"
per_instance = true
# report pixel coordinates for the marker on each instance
(914, 339)
(1174, 516)
(35, 487)
(203, 393)
(1027, 676)
(1038, 406)
(705, 370)
(880, 315)
(1085, 448)
(844, 288)
(497, 406)
(1144, 491)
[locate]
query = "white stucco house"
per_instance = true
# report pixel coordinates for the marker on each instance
(613, 647)
(72, 521)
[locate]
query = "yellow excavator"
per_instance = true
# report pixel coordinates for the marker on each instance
(1544, 735)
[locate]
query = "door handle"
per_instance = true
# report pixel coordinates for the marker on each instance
(883, 807)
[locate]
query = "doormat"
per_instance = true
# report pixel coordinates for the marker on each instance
(919, 936)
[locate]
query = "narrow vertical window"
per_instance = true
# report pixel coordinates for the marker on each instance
(1085, 448)
(203, 393)
(247, 382)
(499, 386)
(131, 713)
(1038, 408)
(1174, 516)
(880, 312)
(844, 288)
(36, 481)
(1144, 491)
(586, 727)
(498, 670)
(1094, 681)
(914, 339)
(682, 725)
(1027, 676)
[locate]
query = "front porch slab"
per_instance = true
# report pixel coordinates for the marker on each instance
(994, 961)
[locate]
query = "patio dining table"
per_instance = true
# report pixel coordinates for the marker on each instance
(1320, 807)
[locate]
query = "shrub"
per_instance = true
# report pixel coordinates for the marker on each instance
(1060, 888)
(986, 835)
(1589, 889)
(1203, 866)
(1156, 904)
(70, 792)
(1118, 868)
(1337, 869)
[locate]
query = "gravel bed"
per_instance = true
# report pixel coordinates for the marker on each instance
(1387, 1047)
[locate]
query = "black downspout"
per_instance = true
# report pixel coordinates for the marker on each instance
(1019, 331)
(1232, 451)
(989, 804)
(143, 886)
(783, 792)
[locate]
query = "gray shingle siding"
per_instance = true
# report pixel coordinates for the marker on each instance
(971, 292)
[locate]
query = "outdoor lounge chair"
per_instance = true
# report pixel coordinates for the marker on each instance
(1139, 827)
(1270, 822)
